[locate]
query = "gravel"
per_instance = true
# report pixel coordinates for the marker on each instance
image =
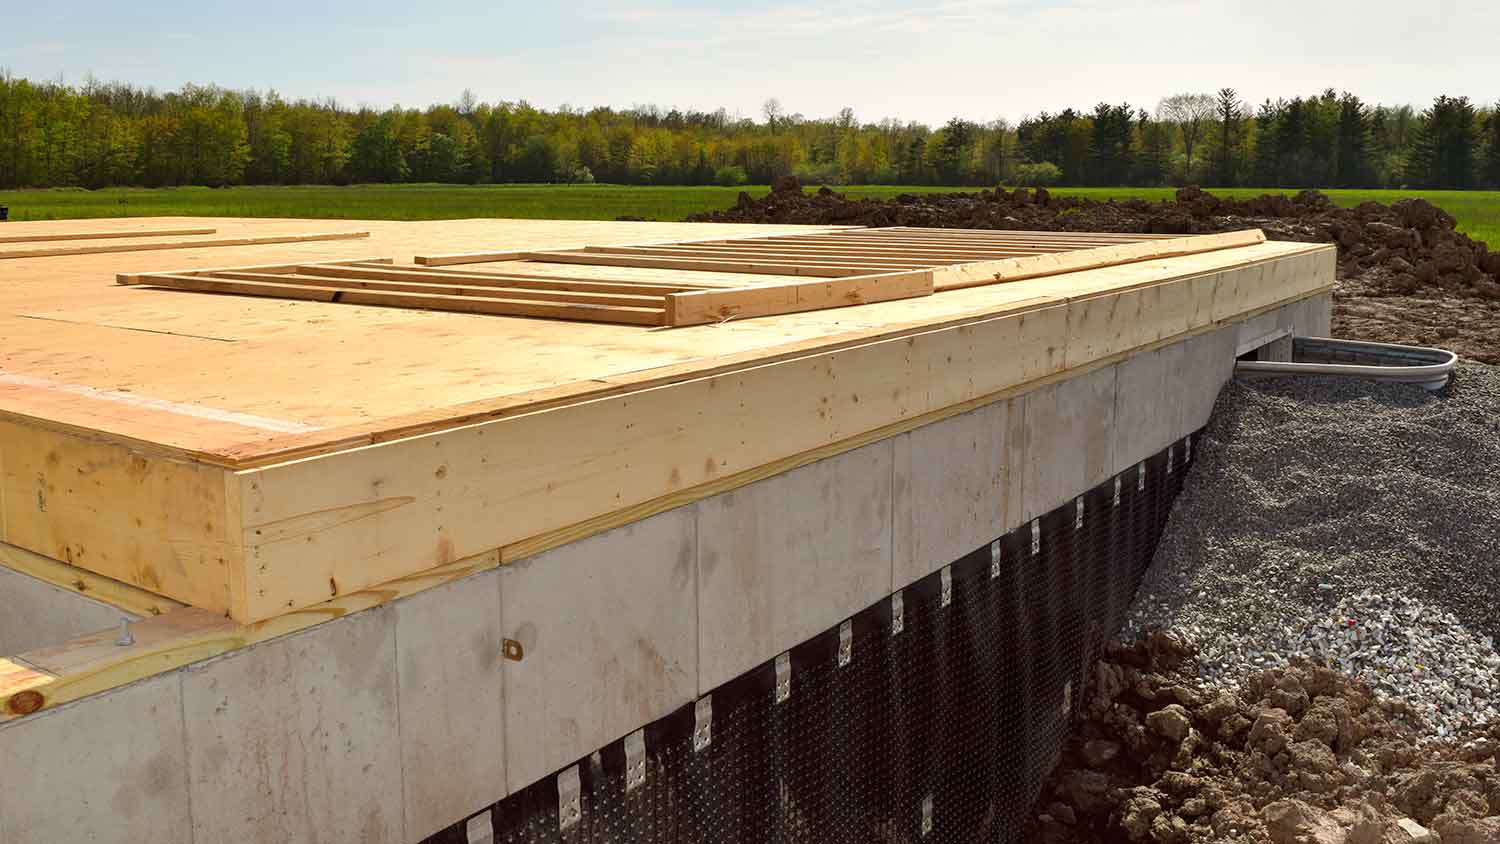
(1351, 523)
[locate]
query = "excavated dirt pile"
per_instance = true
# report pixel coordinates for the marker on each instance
(1298, 755)
(1406, 275)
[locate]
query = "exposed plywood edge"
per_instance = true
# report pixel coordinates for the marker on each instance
(136, 278)
(45, 238)
(1037, 266)
(182, 244)
(120, 595)
(48, 677)
(608, 521)
(706, 306)
(417, 502)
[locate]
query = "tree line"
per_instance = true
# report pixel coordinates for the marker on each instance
(111, 134)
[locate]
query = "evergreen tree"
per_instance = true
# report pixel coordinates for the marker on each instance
(1352, 168)
(1443, 155)
(955, 151)
(1109, 145)
(1490, 171)
(1229, 110)
(1155, 150)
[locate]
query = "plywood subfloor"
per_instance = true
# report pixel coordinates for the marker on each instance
(241, 381)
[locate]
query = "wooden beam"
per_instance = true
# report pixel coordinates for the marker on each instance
(927, 255)
(467, 258)
(181, 244)
(499, 280)
(49, 677)
(601, 259)
(998, 233)
(135, 278)
(428, 301)
(1016, 269)
(312, 276)
(733, 252)
(120, 595)
(1041, 244)
(40, 238)
(708, 306)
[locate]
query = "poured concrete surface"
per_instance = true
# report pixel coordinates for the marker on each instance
(956, 487)
(609, 631)
(1069, 439)
(785, 558)
(110, 770)
(449, 660)
(296, 739)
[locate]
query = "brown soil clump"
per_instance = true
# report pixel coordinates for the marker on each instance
(1302, 755)
(1405, 274)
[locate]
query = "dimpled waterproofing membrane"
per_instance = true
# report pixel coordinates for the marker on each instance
(940, 728)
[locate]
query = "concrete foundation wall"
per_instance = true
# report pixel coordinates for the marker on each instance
(34, 614)
(394, 723)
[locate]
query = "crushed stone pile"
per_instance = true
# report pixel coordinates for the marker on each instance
(1296, 755)
(1311, 657)
(1349, 523)
(1406, 275)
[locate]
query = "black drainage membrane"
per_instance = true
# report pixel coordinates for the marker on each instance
(935, 716)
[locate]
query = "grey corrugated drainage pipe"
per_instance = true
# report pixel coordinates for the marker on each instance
(1431, 368)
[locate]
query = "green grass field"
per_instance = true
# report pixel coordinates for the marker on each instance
(1478, 212)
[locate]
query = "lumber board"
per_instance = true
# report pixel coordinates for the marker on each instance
(103, 235)
(1016, 269)
(718, 266)
(183, 244)
(398, 299)
(928, 255)
(49, 677)
(122, 596)
(313, 277)
(161, 523)
(135, 278)
(707, 306)
(443, 260)
(731, 253)
(1049, 244)
(917, 231)
(499, 279)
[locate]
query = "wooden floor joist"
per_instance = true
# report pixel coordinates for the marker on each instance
(182, 244)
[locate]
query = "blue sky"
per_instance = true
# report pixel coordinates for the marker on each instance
(980, 59)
